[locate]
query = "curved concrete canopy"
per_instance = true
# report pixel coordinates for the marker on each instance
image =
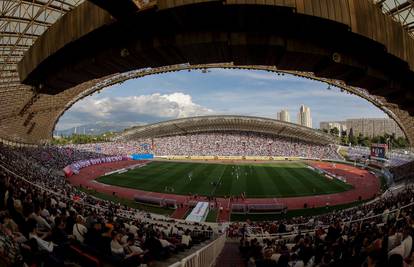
(44, 111)
(348, 40)
(29, 115)
(231, 123)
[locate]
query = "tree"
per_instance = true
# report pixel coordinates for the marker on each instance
(391, 140)
(360, 139)
(353, 140)
(345, 140)
(400, 142)
(334, 131)
(83, 139)
(366, 141)
(375, 140)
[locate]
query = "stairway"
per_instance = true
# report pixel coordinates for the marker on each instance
(224, 215)
(181, 255)
(180, 212)
(230, 255)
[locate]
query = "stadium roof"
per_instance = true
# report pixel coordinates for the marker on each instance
(27, 116)
(21, 23)
(227, 123)
(401, 10)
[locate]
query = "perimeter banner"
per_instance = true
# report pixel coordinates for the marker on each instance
(75, 167)
(142, 156)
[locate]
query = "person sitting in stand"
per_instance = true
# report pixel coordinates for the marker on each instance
(127, 258)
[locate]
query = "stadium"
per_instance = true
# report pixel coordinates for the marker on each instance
(247, 164)
(208, 190)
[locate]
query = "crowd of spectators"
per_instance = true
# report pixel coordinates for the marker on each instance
(113, 148)
(240, 144)
(44, 218)
(216, 144)
(54, 156)
(405, 171)
(44, 221)
(340, 239)
(400, 163)
(395, 158)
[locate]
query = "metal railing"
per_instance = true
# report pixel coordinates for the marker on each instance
(205, 257)
(292, 234)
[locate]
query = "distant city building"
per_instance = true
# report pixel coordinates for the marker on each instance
(55, 136)
(328, 125)
(304, 116)
(374, 127)
(368, 127)
(283, 115)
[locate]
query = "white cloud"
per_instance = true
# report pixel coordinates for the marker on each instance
(143, 108)
(176, 105)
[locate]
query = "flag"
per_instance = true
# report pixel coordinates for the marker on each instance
(68, 171)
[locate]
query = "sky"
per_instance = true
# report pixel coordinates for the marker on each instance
(220, 91)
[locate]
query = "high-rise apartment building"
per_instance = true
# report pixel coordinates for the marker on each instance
(304, 116)
(283, 115)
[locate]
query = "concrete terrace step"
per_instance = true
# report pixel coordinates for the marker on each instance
(230, 256)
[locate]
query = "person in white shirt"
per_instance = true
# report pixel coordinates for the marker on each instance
(43, 225)
(118, 250)
(79, 229)
(116, 246)
(130, 246)
(133, 229)
(394, 238)
(403, 249)
(407, 242)
(174, 230)
(45, 213)
(186, 239)
(165, 231)
(164, 242)
(42, 244)
(397, 250)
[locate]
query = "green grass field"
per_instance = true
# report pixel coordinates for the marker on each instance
(256, 180)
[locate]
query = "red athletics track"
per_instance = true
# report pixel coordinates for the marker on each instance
(366, 186)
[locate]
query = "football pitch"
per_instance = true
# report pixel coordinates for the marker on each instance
(284, 179)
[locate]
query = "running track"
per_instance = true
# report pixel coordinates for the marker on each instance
(366, 186)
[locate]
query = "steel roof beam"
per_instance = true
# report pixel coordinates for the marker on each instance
(52, 7)
(26, 20)
(399, 8)
(17, 34)
(25, 47)
(379, 2)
